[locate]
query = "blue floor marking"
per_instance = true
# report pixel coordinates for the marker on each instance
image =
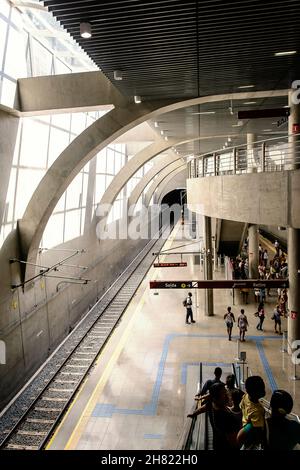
(153, 436)
(150, 409)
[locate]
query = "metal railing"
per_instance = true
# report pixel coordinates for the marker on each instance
(242, 371)
(276, 154)
(285, 348)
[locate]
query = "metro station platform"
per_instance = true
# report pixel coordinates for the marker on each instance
(142, 387)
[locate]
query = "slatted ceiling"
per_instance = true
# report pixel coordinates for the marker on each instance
(182, 49)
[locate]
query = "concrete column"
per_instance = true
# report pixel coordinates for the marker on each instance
(208, 268)
(294, 238)
(253, 251)
(251, 138)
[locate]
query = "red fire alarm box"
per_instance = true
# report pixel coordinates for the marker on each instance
(296, 128)
(293, 315)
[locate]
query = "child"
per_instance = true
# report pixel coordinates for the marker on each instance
(252, 433)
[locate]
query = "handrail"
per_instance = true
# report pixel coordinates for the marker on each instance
(263, 155)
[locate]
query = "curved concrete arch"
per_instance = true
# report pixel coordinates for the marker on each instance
(139, 188)
(165, 182)
(161, 177)
(96, 137)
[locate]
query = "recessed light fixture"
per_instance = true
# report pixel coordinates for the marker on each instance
(267, 130)
(156, 124)
(286, 106)
(250, 102)
(118, 75)
(226, 143)
(246, 86)
(162, 132)
(137, 99)
(205, 112)
(85, 30)
(229, 139)
(166, 138)
(280, 54)
(239, 124)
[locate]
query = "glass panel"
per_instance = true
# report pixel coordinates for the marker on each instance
(78, 122)
(15, 59)
(58, 142)
(42, 59)
(72, 225)
(100, 188)
(9, 89)
(27, 183)
(101, 162)
(3, 28)
(62, 120)
(10, 198)
(34, 143)
(53, 234)
(73, 192)
(110, 161)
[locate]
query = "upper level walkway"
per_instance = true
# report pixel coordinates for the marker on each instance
(257, 185)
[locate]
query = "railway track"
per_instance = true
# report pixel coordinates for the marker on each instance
(56, 388)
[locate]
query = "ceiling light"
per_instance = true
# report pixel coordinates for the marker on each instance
(286, 106)
(137, 99)
(246, 86)
(267, 130)
(118, 75)
(280, 54)
(205, 112)
(229, 139)
(250, 102)
(162, 132)
(156, 124)
(239, 124)
(226, 143)
(85, 30)
(166, 138)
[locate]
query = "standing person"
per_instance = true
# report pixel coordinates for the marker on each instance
(276, 245)
(209, 383)
(261, 316)
(276, 317)
(252, 433)
(189, 312)
(229, 319)
(265, 257)
(242, 324)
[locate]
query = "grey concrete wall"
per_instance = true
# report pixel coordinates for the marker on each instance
(33, 323)
(8, 132)
(259, 198)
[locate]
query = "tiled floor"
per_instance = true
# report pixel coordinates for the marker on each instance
(137, 396)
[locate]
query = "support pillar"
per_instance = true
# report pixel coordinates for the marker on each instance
(208, 268)
(250, 152)
(293, 237)
(253, 253)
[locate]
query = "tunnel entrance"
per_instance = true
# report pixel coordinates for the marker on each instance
(175, 197)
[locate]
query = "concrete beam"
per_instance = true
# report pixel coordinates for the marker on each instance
(67, 93)
(270, 198)
(166, 181)
(157, 167)
(172, 169)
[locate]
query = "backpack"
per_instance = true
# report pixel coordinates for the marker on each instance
(184, 303)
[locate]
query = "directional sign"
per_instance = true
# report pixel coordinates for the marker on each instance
(263, 113)
(170, 265)
(221, 284)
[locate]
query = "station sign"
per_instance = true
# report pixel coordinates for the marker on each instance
(221, 284)
(263, 113)
(182, 264)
